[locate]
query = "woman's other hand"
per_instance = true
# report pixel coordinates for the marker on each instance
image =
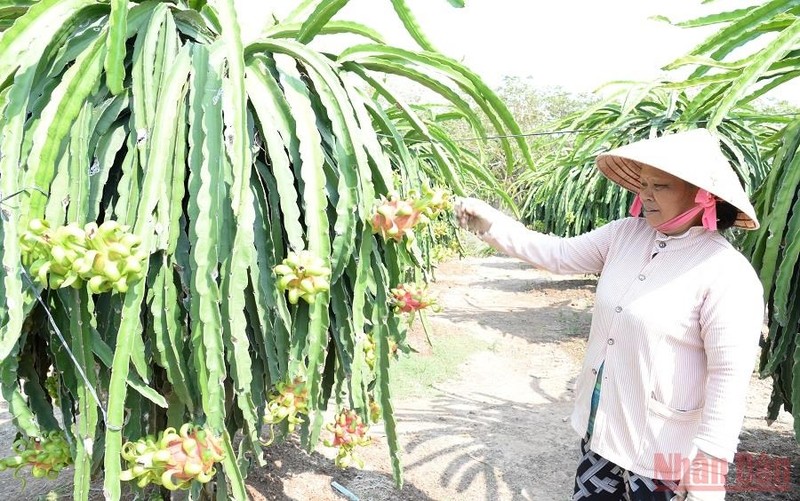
(475, 215)
(704, 480)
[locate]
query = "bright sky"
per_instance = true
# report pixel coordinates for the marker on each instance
(575, 44)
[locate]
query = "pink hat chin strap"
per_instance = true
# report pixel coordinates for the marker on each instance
(705, 203)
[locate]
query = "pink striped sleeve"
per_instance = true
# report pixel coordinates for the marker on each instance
(582, 254)
(731, 318)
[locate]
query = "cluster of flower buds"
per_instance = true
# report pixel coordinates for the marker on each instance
(410, 298)
(375, 411)
(105, 257)
(46, 455)
(303, 275)
(288, 401)
(434, 201)
(174, 459)
(348, 433)
(370, 355)
(395, 218)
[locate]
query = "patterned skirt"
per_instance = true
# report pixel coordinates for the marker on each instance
(598, 479)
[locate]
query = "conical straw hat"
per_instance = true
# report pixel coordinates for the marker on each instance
(693, 156)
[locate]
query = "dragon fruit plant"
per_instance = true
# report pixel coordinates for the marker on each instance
(105, 258)
(223, 153)
(303, 275)
(46, 455)
(174, 459)
(349, 432)
(375, 410)
(411, 298)
(288, 402)
(395, 218)
(370, 353)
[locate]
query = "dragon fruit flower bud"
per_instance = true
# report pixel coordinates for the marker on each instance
(173, 460)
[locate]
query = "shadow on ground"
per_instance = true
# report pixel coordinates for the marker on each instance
(479, 440)
(542, 285)
(534, 324)
(462, 438)
(288, 461)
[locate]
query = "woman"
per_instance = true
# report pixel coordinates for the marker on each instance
(678, 312)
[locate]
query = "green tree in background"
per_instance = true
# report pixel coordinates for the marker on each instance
(539, 111)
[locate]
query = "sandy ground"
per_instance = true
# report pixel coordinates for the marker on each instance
(499, 429)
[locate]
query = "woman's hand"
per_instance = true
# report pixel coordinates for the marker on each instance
(705, 479)
(475, 215)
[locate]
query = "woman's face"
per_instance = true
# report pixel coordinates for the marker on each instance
(665, 196)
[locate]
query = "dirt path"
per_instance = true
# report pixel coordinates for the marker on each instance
(499, 429)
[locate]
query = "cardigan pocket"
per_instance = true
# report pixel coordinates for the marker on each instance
(667, 412)
(666, 440)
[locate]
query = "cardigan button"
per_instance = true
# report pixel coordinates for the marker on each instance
(661, 245)
(594, 372)
(611, 341)
(618, 309)
(642, 277)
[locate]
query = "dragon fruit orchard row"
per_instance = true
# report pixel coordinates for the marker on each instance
(108, 258)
